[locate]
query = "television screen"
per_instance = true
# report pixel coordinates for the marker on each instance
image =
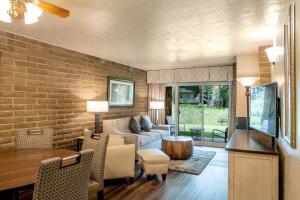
(263, 109)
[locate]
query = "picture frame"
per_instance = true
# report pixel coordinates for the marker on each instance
(290, 78)
(121, 92)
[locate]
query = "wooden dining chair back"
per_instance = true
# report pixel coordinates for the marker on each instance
(99, 145)
(34, 138)
(64, 178)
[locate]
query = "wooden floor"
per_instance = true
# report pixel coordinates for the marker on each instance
(211, 184)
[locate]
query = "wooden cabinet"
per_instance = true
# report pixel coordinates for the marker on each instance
(252, 169)
(252, 176)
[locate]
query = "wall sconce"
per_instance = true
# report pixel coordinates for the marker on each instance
(274, 54)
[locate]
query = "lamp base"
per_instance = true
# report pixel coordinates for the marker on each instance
(97, 123)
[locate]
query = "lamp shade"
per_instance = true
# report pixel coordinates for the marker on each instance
(97, 106)
(156, 105)
(274, 54)
(247, 81)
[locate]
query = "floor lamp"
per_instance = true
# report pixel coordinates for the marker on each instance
(157, 105)
(97, 107)
(247, 82)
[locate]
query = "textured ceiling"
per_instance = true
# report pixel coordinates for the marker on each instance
(158, 34)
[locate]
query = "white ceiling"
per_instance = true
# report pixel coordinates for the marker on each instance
(158, 34)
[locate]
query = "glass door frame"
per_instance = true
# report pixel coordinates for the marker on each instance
(202, 84)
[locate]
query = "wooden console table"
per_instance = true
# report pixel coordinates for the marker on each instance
(252, 167)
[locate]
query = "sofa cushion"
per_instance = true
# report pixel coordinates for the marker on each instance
(123, 125)
(146, 123)
(134, 125)
(161, 132)
(154, 135)
(153, 156)
(144, 139)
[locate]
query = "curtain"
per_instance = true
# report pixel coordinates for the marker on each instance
(156, 93)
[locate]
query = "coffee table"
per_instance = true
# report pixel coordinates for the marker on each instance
(178, 147)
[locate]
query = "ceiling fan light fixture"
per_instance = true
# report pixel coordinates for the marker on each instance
(30, 19)
(4, 7)
(32, 13)
(33, 10)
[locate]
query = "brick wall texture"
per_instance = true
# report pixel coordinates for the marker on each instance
(264, 65)
(42, 85)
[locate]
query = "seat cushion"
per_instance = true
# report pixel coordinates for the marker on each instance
(153, 156)
(154, 135)
(144, 139)
(163, 133)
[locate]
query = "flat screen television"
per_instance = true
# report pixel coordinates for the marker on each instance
(263, 109)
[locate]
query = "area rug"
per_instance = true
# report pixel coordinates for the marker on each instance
(194, 165)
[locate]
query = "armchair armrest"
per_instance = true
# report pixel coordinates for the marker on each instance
(162, 127)
(120, 161)
(130, 138)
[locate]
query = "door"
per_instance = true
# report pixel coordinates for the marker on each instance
(216, 112)
(190, 111)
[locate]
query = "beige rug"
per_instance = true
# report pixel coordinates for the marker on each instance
(194, 165)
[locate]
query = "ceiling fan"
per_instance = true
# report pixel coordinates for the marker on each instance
(29, 10)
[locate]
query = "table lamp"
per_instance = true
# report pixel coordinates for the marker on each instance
(157, 105)
(97, 107)
(247, 82)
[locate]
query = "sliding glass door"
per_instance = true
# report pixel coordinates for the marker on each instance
(190, 110)
(201, 110)
(216, 112)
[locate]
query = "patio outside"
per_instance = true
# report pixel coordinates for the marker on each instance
(212, 112)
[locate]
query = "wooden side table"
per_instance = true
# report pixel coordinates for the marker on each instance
(79, 141)
(178, 147)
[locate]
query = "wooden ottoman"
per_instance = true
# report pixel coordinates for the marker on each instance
(154, 161)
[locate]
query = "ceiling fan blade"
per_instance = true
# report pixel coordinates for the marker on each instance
(52, 8)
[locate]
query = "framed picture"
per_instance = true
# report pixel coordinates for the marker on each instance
(290, 78)
(120, 92)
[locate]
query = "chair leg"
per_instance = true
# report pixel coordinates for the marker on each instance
(17, 196)
(164, 176)
(131, 180)
(101, 195)
(149, 177)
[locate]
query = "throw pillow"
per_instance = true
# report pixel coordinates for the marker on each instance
(146, 123)
(134, 125)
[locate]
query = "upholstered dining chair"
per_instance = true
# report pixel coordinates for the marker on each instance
(99, 145)
(64, 178)
(34, 138)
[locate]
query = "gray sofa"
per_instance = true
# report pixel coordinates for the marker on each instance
(144, 140)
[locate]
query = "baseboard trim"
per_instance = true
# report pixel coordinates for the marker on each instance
(209, 144)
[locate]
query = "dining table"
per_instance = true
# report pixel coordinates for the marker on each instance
(19, 167)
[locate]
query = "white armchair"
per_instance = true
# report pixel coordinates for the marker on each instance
(120, 159)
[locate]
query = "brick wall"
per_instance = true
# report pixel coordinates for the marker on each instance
(264, 65)
(42, 85)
